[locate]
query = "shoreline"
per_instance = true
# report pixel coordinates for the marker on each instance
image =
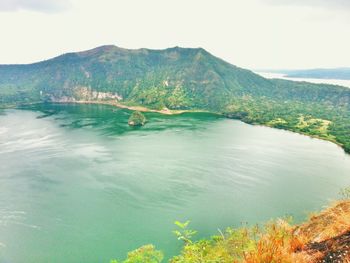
(178, 112)
(133, 108)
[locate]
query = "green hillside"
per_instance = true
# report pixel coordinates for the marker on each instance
(181, 78)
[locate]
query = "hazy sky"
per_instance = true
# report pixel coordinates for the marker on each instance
(247, 33)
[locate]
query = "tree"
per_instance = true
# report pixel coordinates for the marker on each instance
(137, 119)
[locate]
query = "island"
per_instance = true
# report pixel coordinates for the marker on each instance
(137, 119)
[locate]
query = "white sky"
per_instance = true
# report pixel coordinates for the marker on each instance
(248, 33)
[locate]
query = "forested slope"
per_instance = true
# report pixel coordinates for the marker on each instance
(181, 78)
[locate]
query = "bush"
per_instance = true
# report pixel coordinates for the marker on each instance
(137, 119)
(143, 254)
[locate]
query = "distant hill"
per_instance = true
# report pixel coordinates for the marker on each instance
(174, 78)
(331, 73)
(181, 78)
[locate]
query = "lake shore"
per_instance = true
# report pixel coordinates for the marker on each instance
(165, 111)
(133, 169)
(177, 112)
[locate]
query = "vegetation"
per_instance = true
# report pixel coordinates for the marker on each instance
(325, 237)
(184, 233)
(179, 78)
(345, 193)
(137, 119)
(145, 254)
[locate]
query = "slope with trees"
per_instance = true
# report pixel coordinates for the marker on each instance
(181, 79)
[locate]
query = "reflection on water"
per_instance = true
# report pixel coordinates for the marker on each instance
(77, 184)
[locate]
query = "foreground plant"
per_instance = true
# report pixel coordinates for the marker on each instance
(144, 254)
(184, 233)
(345, 193)
(325, 237)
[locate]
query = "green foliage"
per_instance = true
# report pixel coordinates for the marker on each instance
(137, 119)
(144, 254)
(179, 78)
(276, 241)
(184, 233)
(239, 245)
(345, 193)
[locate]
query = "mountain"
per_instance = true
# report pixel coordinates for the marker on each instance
(175, 77)
(181, 78)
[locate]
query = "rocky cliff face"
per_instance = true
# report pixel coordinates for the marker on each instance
(84, 94)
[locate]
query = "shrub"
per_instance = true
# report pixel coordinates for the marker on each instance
(144, 254)
(137, 119)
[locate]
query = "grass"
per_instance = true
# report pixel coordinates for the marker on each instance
(324, 237)
(316, 126)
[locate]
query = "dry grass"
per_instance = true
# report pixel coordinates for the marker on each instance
(325, 237)
(330, 223)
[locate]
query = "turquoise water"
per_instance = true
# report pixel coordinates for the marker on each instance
(78, 185)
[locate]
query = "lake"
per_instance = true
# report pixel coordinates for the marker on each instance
(77, 184)
(341, 82)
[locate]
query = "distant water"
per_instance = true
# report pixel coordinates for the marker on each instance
(341, 82)
(78, 185)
